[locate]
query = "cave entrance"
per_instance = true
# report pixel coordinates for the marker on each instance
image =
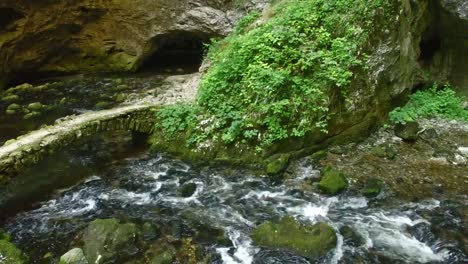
(177, 52)
(8, 16)
(430, 45)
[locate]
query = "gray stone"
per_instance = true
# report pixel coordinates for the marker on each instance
(74, 256)
(408, 131)
(107, 240)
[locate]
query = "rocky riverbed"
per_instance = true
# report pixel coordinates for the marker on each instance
(153, 208)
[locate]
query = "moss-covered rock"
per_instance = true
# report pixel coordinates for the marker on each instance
(277, 164)
(319, 155)
(109, 240)
(310, 241)
(161, 252)
(10, 254)
(333, 182)
(372, 188)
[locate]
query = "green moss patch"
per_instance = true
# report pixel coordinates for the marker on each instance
(310, 241)
(10, 254)
(333, 182)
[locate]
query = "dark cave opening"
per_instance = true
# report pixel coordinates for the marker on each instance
(430, 45)
(176, 52)
(8, 16)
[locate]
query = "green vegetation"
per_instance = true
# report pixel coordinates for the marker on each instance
(275, 76)
(9, 253)
(307, 240)
(433, 102)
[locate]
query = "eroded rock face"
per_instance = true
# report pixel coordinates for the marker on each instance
(445, 43)
(100, 35)
(456, 7)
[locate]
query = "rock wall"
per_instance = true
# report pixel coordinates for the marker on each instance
(40, 38)
(445, 44)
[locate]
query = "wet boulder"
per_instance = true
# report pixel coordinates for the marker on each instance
(188, 189)
(74, 256)
(161, 252)
(277, 164)
(385, 151)
(350, 236)
(108, 240)
(407, 131)
(333, 182)
(310, 241)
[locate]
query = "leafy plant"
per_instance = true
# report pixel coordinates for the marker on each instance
(433, 102)
(271, 80)
(177, 118)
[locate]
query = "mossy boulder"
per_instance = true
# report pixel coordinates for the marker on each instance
(10, 254)
(319, 155)
(277, 164)
(74, 256)
(109, 240)
(311, 241)
(372, 188)
(333, 182)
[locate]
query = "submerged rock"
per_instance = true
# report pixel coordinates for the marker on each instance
(107, 240)
(350, 236)
(188, 189)
(310, 241)
(333, 182)
(277, 257)
(74, 256)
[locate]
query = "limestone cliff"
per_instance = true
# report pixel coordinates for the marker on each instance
(55, 36)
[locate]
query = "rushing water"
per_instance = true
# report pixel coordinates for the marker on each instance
(145, 189)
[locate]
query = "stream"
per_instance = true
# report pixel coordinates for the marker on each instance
(100, 179)
(144, 188)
